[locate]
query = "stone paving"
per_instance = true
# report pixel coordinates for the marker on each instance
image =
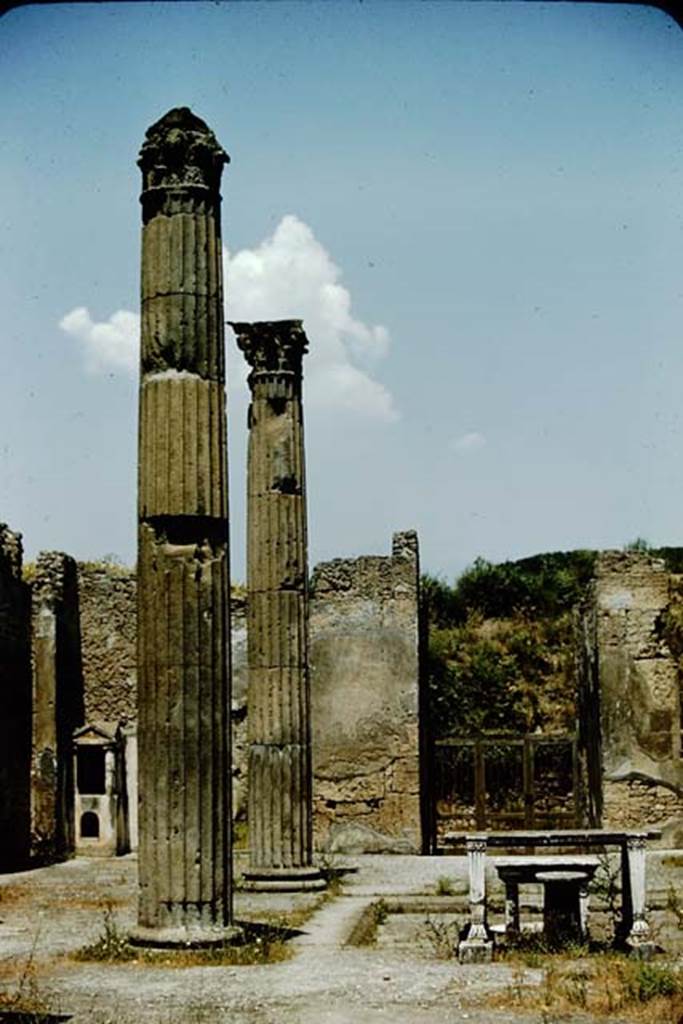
(48, 913)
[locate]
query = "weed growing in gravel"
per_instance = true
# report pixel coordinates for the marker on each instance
(12, 894)
(533, 950)
(112, 943)
(440, 937)
(381, 912)
(296, 917)
(606, 885)
(673, 905)
(26, 1002)
(263, 944)
(332, 870)
(643, 991)
(365, 930)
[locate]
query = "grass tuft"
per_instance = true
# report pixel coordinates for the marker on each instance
(601, 986)
(444, 886)
(263, 944)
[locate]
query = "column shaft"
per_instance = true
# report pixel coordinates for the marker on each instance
(280, 800)
(183, 567)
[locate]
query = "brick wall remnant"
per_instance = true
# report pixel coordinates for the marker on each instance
(108, 601)
(57, 703)
(107, 596)
(356, 595)
(365, 698)
(629, 694)
(15, 705)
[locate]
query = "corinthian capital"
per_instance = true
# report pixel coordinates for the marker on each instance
(272, 346)
(180, 150)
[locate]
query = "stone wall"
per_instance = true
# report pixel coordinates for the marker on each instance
(363, 653)
(108, 595)
(107, 598)
(364, 679)
(630, 694)
(364, 639)
(57, 703)
(636, 802)
(15, 704)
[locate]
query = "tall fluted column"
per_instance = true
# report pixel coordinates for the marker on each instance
(183, 573)
(280, 833)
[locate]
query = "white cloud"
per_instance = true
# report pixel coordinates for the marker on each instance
(112, 345)
(290, 274)
(468, 442)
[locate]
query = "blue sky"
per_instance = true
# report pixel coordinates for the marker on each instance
(476, 207)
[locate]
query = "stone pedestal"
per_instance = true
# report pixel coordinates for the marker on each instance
(183, 609)
(565, 906)
(280, 833)
(636, 932)
(477, 946)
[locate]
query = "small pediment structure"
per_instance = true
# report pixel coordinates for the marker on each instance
(100, 798)
(104, 734)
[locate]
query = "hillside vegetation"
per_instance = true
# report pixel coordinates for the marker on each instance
(501, 641)
(500, 650)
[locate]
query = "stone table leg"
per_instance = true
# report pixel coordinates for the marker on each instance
(511, 910)
(476, 947)
(637, 931)
(584, 898)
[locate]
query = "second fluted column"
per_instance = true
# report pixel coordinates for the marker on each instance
(280, 803)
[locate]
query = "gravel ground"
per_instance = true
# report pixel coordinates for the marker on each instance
(48, 913)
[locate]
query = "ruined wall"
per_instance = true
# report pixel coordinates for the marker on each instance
(364, 640)
(588, 710)
(364, 655)
(107, 597)
(57, 703)
(15, 704)
(631, 693)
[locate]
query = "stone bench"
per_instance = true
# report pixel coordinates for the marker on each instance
(565, 882)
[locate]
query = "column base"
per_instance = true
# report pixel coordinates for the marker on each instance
(283, 880)
(186, 938)
(475, 951)
(639, 943)
(641, 950)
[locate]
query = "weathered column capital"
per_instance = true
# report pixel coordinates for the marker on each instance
(180, 157)
(273, 348)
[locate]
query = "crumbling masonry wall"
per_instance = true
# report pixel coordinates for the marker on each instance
(630, 697)
(364, 658)
(364, 690)
(107, 596)
(15, 704)
(57, 703)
